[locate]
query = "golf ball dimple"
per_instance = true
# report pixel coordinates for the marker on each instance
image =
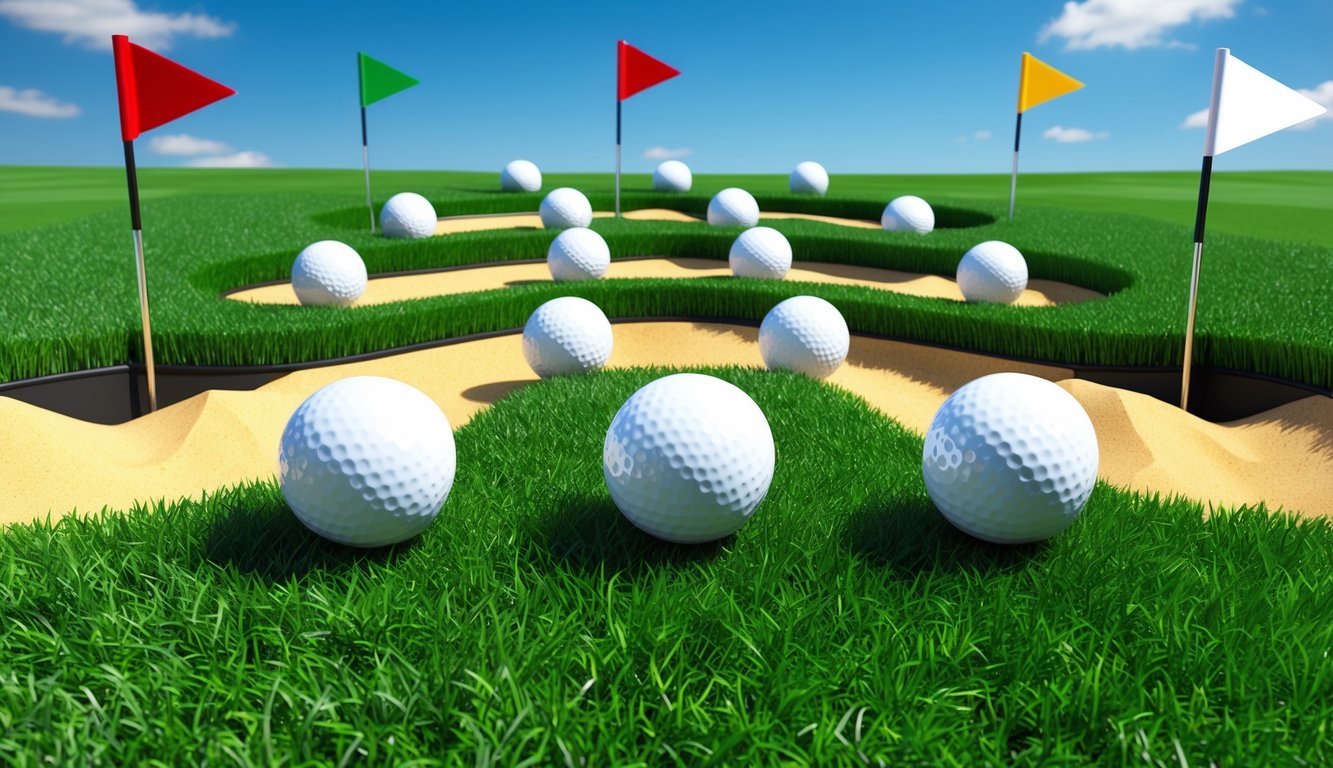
(688, 458)
(908, 213)
(805, 334)
(567, 335)
(672, 176)
(760, 252)
(367, 461)
(578, 254)
(520, 176)
(809, 178)
(733, 207)
(565, 207)
(328, 273)
(993, 272)
(1010, 458)
(408, 215)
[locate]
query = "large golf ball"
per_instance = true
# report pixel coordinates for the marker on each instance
(520, 176)
(367, 461)
(688, 458)
(1010, 458)
(908, 213)
(994, 272)
(407, 214)
(567, 335)
(565, 207)
(733, 207)
(672, 176)
(328, 272)
(761, 252)
(578, 254)
(805, 334)
(809, 178)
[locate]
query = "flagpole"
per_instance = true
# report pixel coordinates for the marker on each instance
(1013, 175)
(136, 224)
(1205, 180)
(618, 103)
(365, 162)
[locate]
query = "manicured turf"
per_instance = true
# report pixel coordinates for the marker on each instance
(847, 624)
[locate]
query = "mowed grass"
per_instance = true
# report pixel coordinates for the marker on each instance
(847, 624)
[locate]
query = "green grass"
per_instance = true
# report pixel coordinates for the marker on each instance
(847, 624)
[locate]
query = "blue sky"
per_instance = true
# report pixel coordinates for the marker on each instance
(870, 87)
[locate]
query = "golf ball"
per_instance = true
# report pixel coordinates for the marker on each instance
(1010, 458)
(672, 176)
(328, 272)
(805, 334)
(908, 212)
(761, 252)
(367, 461)
(565, 336)
(565, 207)
(520, 176)
(407, 214)
(578, 254)
(809, 178)
(688, 458)
(733, 207)
(994, 272)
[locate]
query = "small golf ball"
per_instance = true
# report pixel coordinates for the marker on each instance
(409, 215)
(1010, 458)
(565, 207)
(760, 252)
(805, 334)
(520, 176)
(672, 176)
(733, 207)
(367, 461)
(993, 272)
(568, 335)
(688, 458)
(328, 272)
(908, 213)
(809, 178)
(578, 254)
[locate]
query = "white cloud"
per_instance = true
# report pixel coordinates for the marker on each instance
(1072, 135)
(1196, 120)
(1321, 94)
(34, 103)
(185, 144)
(246, 159)
(1130, 24)
(93, 22)
(662, 153)
(981, 135)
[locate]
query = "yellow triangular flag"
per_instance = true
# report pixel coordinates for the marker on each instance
(1039, 82)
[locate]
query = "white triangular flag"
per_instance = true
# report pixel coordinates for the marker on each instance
(1249, 105)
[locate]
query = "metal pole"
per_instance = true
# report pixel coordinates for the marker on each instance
(1205, 179)
(365, 162)
(136, 224)
(618, 157)
(1013, 176)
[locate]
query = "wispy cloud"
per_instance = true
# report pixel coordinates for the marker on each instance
(1321, 94)
(981, 135)
(1073, 135)
(34, 103)
(246, 159)
(663, 153)
(1131, 24)
(185, 144)
(91, 23)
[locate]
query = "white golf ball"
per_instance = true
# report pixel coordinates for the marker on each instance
(908, 212)
(367, 461)
(520, 176)
(672, 176)
(408, 214)
(760, 252)
(1010, 458)
(805, 334)
(994, 272)
(565, 207)
(565, 336)
(578, 254)
(733, 207)
(688, 458)
(809, 178)
(328, 272)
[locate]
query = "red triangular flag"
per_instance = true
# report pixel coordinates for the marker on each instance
(638, 71)
(154, 90)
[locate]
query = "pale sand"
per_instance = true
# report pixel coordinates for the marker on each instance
(452, 225)
(52, 462)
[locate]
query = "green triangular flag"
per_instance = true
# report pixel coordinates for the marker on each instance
(379, 80)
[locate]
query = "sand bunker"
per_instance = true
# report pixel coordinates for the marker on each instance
(452, 225)
(54, 463)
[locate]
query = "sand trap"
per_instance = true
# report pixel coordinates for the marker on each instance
(381, 290)
(52, 462)
(452, 225)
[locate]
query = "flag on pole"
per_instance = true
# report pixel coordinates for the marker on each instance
(152, 90)
(1246, 105)
(1038, 83)
(376, 80)
(635, 71)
